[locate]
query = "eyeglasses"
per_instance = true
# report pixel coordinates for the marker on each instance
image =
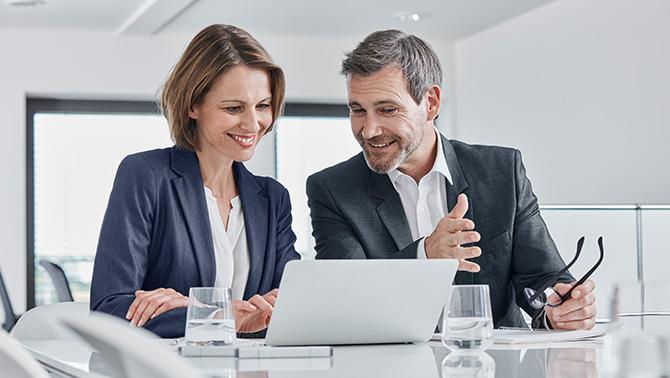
(537, 299)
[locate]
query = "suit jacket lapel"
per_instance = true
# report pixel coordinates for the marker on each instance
(191, 194)
(255, 207)
(459, 185)
(390, 209)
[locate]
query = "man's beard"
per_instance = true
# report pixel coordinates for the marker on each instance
(386, 162)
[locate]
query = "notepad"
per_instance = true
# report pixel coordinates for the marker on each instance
(505, 335)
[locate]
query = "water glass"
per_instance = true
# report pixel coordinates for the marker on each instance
(467, 324)
(210, 318)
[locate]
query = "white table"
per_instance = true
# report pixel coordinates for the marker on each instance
(76, 359)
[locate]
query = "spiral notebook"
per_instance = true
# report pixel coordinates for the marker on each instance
(510, 335)
(505, 335)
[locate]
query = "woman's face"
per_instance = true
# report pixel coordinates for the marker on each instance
(234, 114)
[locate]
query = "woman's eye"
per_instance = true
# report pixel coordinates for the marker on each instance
(233, 109)
(263, 106)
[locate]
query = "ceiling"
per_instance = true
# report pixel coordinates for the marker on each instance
(450, 19)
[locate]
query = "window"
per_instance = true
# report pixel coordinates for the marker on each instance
(309, 139)
(74, 149)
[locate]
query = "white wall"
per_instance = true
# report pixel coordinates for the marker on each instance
(87, 65)
(583, 89)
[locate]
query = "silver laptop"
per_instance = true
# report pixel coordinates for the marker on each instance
(331, 302)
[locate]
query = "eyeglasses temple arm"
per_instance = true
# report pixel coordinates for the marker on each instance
(557, 275)
(589, 273)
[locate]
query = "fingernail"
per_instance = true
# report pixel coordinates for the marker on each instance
(576, 293)
(128, 315)
(561, 324)
(141, 323)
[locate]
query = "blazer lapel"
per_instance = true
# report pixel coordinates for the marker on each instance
(255, 207)
(190, 191)
(459, 185)
(390, 209)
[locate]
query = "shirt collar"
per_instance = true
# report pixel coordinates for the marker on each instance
(439, 166)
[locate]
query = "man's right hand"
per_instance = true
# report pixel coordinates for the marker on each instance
(452, 231)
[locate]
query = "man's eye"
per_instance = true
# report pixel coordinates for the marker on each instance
(388, 110)
(356, 111)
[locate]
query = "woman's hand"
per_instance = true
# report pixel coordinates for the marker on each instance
(149, 304)
(254, 315)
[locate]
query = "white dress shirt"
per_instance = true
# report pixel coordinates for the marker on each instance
(230, 246)
(424, 203)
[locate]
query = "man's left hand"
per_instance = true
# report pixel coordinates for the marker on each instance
(577, 312)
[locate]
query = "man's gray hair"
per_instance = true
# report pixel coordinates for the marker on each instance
(415, 58)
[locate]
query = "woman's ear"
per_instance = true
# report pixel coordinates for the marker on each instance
(433, 102)
(194, 111)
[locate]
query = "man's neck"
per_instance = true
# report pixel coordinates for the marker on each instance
(423, 159)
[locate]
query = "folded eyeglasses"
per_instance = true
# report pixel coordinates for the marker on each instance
(539, 298)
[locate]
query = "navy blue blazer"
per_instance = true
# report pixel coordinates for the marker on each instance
(156, 233)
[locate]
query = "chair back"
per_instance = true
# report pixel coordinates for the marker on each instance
(16, 362)
(7, 309)
(129, 352)
(41, 322)
(59, 280)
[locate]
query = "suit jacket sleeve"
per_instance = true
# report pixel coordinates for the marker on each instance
(121, 260)
(335, 238)
(535, 257)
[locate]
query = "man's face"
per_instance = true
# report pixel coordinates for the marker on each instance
(385, 120)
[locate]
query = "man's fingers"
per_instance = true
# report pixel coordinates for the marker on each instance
(468, 266)
(461, 207)
(464, 237)
(587, 312)
(462, 253)
(456, 225)
(574, 304)
(583, 289)
(578, 324)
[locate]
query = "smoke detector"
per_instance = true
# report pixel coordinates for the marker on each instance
(25, 3)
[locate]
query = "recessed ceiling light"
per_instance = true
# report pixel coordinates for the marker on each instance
(25, 3)
(409, 16)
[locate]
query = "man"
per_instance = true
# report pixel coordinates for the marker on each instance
(412, 193)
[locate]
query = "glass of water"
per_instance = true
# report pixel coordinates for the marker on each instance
(467, 324)
(210, 318)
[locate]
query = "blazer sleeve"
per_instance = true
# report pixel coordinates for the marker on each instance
(335, 238)
(285, 238)
(535, 257)
(121, 260)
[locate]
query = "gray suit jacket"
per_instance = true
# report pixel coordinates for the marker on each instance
(357, 214)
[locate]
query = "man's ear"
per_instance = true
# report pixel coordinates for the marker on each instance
(194, 111)
(433, 102)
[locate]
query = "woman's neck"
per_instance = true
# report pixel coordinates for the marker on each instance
(217, 174)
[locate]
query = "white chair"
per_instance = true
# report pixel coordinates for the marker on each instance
(41, 322)
(129, 352)
(16, 362)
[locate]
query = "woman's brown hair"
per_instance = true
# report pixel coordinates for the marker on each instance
(211, 53)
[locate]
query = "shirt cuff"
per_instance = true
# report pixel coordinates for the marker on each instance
(421, 249)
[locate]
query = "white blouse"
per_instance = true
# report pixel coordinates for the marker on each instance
(230, 246)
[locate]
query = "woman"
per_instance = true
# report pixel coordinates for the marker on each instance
(192, 215)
